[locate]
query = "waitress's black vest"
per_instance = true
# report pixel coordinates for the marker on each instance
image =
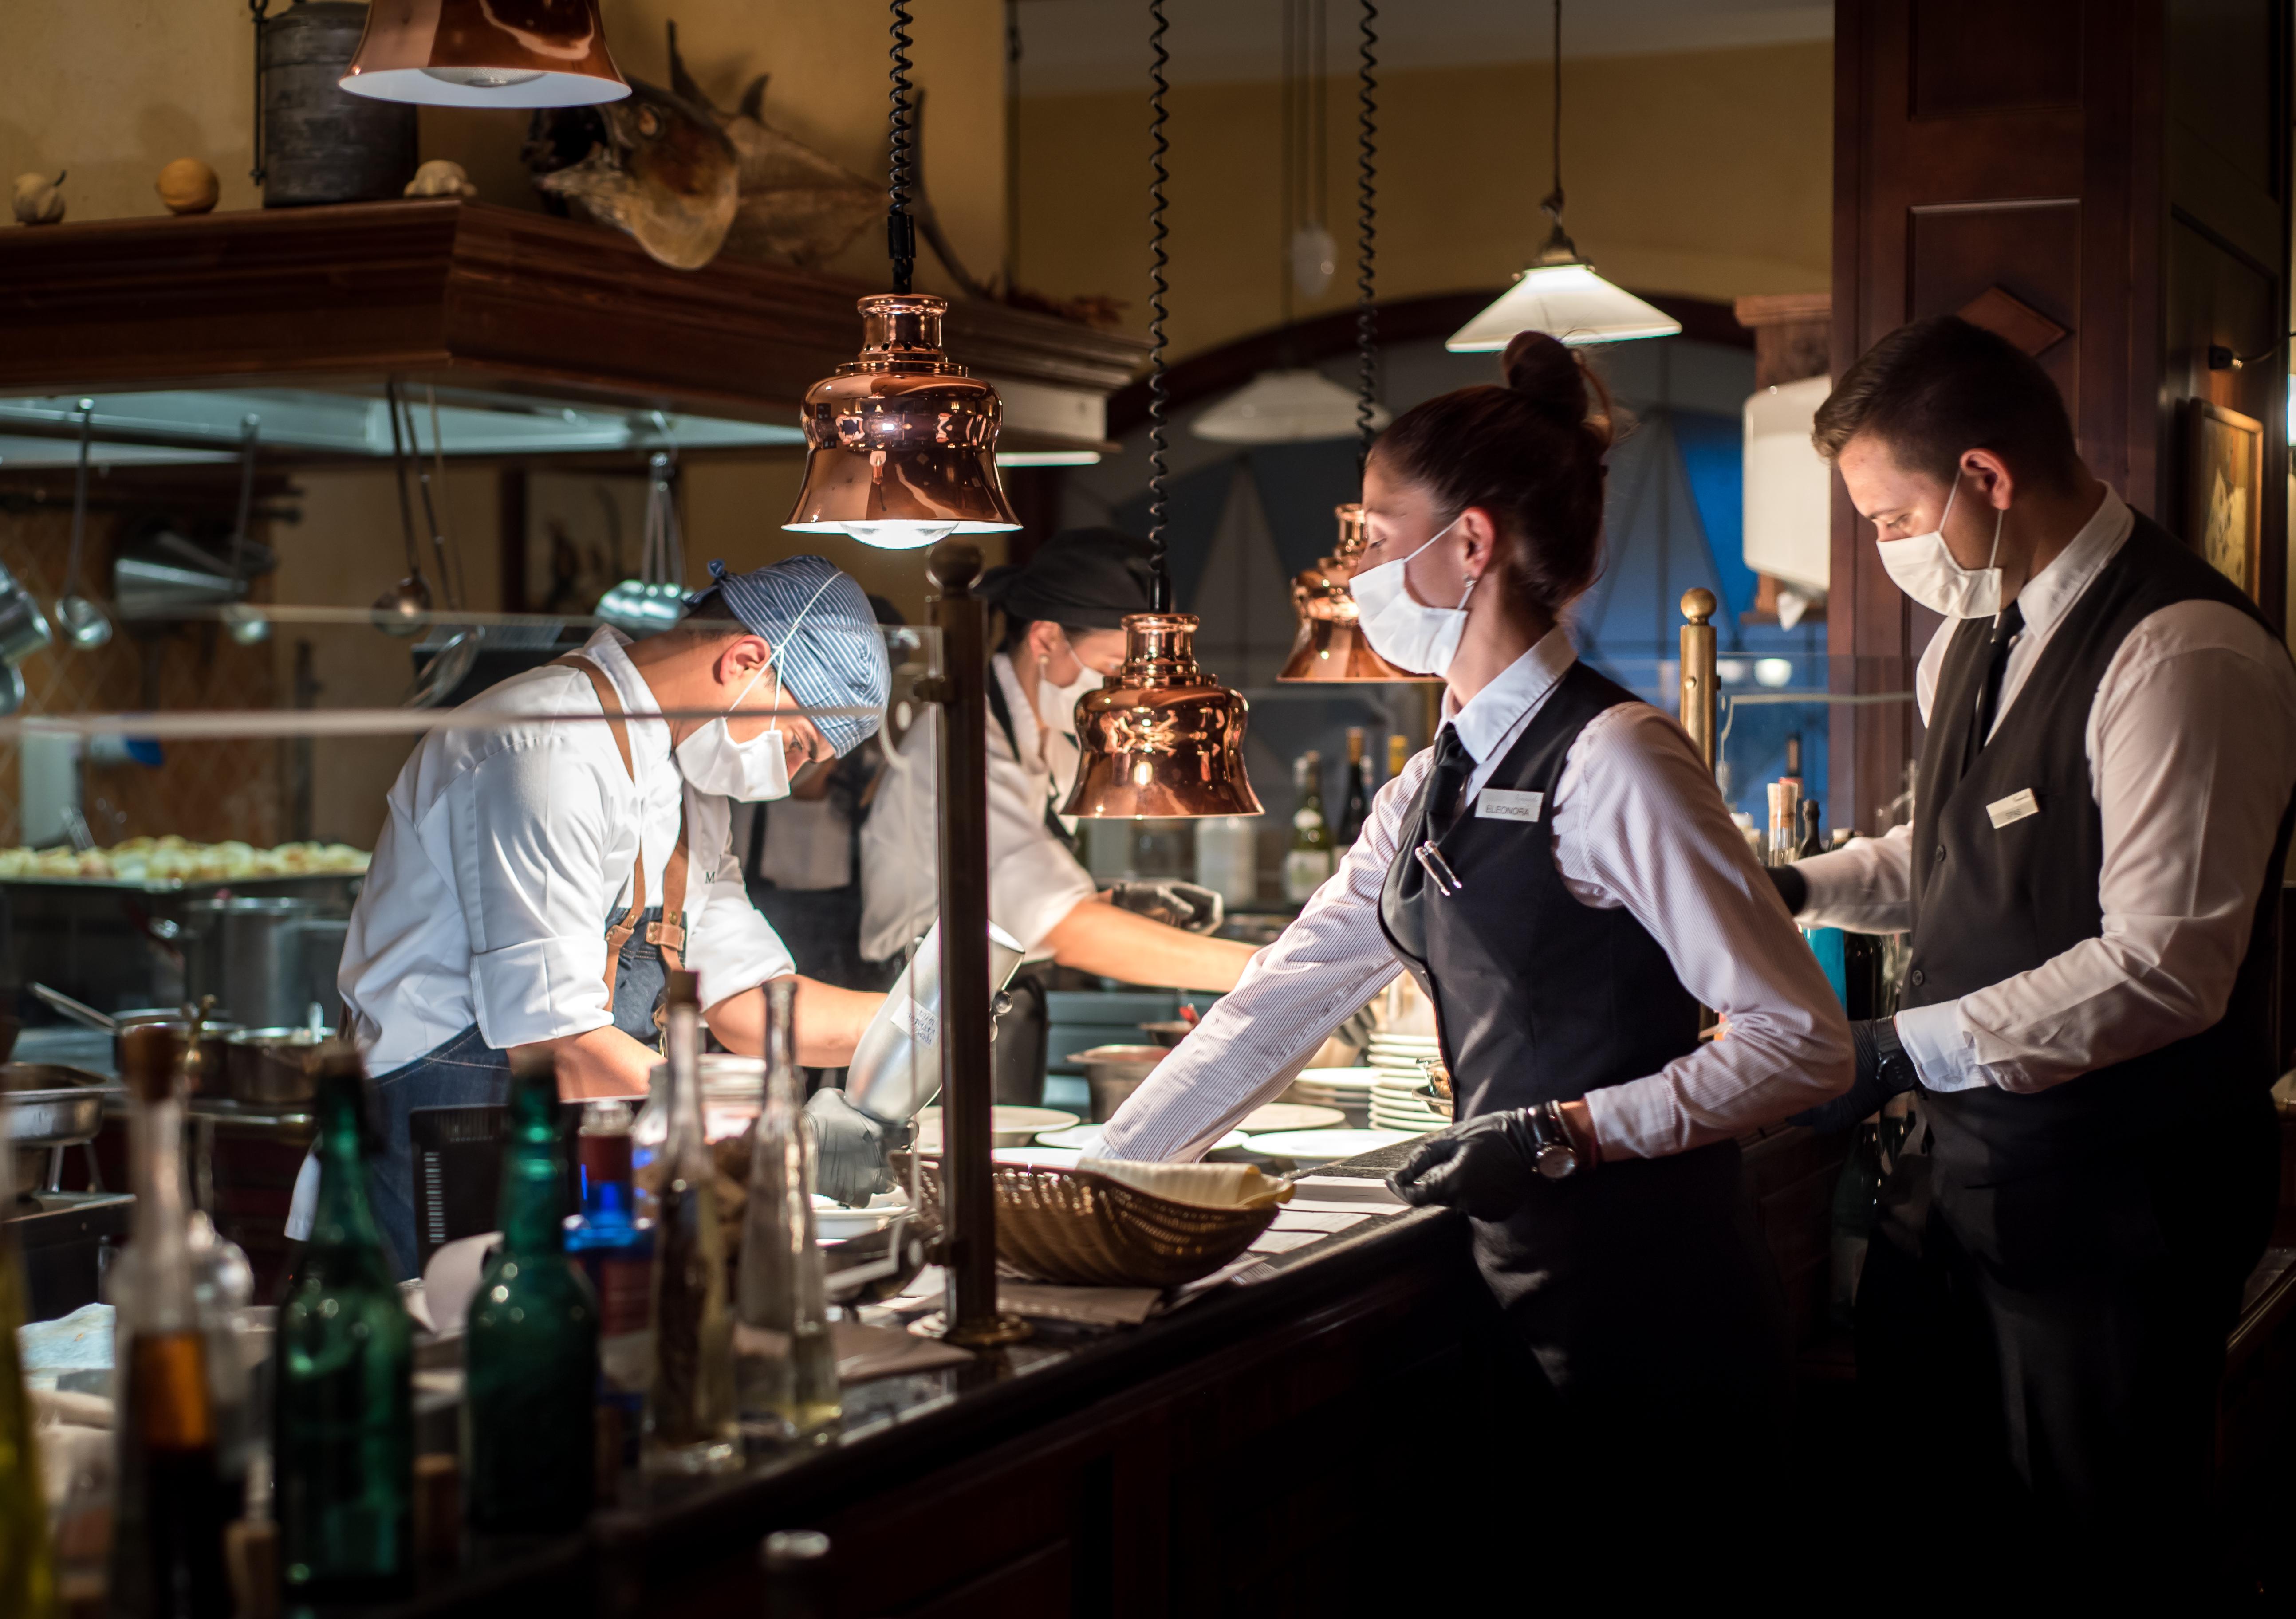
(1989, 903)
(1537, 997)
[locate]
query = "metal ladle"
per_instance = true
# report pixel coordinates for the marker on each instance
(450, 665)
(246, 625)
(82, 621)
(405, 608)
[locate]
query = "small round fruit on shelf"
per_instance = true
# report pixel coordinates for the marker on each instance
(188, 187)
(39, 200)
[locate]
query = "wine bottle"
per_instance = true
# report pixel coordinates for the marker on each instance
(1355, 808)
(1810, 843)
(343, 1426)
(1398, 754)
(168, 1509)
(530, 1349)
(27, 1564)
(690, 1425)
(223, 1284)
(615, 1250)
(1309, 860)
(785, 1366)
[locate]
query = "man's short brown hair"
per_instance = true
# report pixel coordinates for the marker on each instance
(1936, 388)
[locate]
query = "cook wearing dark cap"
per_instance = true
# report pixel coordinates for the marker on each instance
(1064, 611)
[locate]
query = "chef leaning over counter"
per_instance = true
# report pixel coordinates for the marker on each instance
(535, 876)
(1561, 876)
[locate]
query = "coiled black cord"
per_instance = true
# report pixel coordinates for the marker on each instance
(1161, 584)
(1367, 231)
(900, 226)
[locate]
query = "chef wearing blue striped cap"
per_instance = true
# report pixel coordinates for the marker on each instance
(534, 877)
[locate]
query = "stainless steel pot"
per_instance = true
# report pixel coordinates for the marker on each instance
(271, 1066)
(213, 1033)
(1114, 1072)
(248, 954)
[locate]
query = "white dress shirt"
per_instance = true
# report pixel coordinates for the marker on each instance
(1637, 825)
(2191, 753)
(1034, 881)
(503, 854)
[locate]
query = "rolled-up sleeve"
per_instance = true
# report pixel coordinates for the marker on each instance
(728, 943)
(527, 837)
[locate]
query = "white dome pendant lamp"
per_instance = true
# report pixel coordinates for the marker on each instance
(1561, 294)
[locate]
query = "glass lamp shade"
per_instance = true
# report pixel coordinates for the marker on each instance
(1331, 645)
(901, 444)
(485, 53)
(1161, 740)
(1283, 407)
(1568, 301)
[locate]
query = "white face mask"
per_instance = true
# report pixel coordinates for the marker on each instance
(753, 771)
(1056, 723)
(1413, 636)
(1924, 569)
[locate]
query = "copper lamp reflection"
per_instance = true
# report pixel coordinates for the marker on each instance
(1161, 739)
(1331, 645)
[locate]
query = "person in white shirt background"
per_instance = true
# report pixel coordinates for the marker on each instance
(534, 875)
(1063, 614)
(2101, 820)
(1561, 874)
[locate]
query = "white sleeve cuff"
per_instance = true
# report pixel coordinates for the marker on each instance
(731, 947)
(540, 989)
(1944, 1057)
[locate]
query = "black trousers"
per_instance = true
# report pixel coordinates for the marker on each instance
(2048, 1361)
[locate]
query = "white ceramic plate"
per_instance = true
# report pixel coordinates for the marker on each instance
(1081, 1137)
(1323, 1146)
(1009, 1126)
(1040, 1157)
(1290, 1115)
(1343, 1078)
(835, 1224)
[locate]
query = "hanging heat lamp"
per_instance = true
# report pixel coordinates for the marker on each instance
(901, 444)
(1561, 294)
(485, 53)
(1161, 739)
(1331, 646)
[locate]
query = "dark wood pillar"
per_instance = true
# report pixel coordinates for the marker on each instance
(2106, 182)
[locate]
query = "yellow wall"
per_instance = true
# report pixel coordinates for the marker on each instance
(1707, 174)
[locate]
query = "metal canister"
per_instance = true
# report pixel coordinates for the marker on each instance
(248, 954)
(320, 144)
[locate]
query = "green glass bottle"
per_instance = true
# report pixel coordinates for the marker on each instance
(28, 1569)
(343, 1434)
(529, 1415)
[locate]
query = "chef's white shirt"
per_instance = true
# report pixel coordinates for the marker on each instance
(2190, 739)
(507, 849)
(1034, 881)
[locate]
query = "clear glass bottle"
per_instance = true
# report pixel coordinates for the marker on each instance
(615, 1249)
(27, 1564)
(222, 1283)
(169, 1507)
(530, 1348)
(343, 1422)
(691, 1426)
(1309, 862)
(784, 1363)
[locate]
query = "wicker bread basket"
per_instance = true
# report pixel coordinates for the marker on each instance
(1080, 1227)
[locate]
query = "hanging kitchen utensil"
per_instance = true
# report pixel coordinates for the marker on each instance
(450, 664)
(1161, 739)
(82, 621)
(404, 608)
(246, 626)
(23, 628)
(162, 574)
(656, 599)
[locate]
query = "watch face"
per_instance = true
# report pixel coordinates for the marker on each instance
(1556, 1160)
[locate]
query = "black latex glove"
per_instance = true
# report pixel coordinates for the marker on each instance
(1482, 1167)
(849, 1148)
(1173, 903)
(1883, 1071)
(1792, 887)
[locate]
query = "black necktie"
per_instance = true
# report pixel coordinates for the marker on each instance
(1447, 782)
(2006, 629)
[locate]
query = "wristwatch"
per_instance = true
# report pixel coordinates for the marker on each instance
(1551, 1154)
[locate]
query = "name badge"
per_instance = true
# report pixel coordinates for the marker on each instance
(1500, 804)
(2016, 806)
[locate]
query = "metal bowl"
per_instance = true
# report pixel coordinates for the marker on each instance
(213, 1033)
(50, 1105)
(1114, 1072)
(270, 1066)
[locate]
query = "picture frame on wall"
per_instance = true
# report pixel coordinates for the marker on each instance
(2224, 490)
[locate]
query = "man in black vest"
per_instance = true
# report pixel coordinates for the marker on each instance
(2101, 820)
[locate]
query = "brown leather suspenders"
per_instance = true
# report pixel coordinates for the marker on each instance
(669, 933)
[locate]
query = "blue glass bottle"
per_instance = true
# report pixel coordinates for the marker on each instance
(615, 1249)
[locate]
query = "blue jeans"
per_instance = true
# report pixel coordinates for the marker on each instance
(466, 1072)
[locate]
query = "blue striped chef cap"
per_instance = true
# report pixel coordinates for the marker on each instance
(827, 650)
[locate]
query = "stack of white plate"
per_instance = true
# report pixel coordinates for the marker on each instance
(1404, 1056)
(1396, 1104)
(1347, 1089)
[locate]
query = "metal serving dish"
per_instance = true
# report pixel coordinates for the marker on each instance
(1114, 1072)
(269, 1067)
(50, 1105)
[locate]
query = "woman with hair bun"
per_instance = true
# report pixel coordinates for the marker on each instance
(1562, 878)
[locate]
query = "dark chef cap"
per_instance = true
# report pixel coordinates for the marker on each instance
(1084, 579)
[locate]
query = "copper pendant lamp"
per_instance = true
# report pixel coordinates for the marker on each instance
(901, 444)
(1162, 738)
(485, 53)
(1331, 646)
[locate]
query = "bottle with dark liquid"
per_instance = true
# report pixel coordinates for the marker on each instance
(27, 1564)
(531, 1348)
(690, 1425)
(343, 1425)
(1355, 808)
(615, 1249)
(169, 1507)
(785, 1366)
(1810, 844)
